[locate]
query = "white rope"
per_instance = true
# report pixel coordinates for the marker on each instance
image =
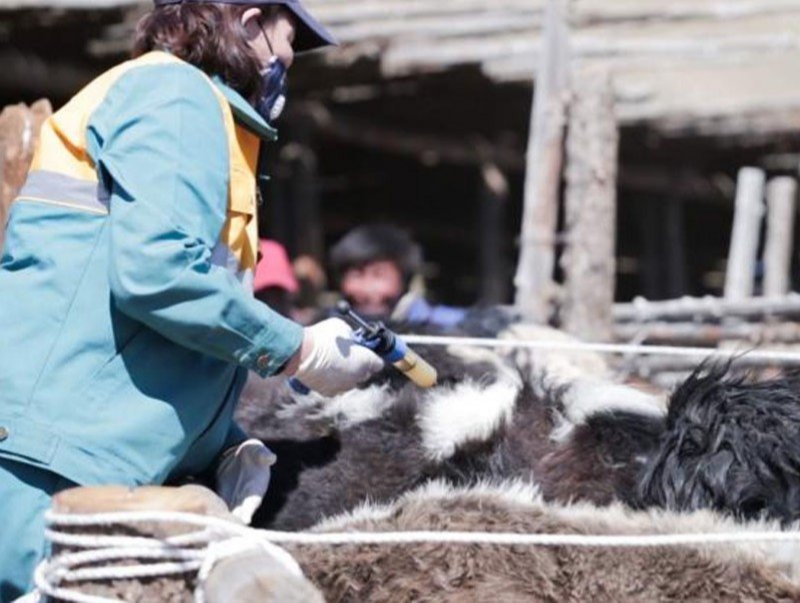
(231, 539)
(422, 537)
(608, 348)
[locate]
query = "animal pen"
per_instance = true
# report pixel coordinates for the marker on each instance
(623, 169)
(655, 125)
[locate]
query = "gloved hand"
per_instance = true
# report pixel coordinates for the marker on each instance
(243, 477)
(333, 363)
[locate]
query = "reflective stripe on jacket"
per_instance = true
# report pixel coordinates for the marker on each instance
(126, 319)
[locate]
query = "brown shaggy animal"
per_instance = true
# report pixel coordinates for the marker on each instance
(457, 572)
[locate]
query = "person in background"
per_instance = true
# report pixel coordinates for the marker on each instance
(128, 322)
(275, 283)
(376, 266)
(312, 280)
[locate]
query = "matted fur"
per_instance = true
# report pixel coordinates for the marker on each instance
(731, 444)
(443, 572)
(485, 421)
(468, 411)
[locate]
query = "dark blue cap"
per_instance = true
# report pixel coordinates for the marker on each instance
(309, 33)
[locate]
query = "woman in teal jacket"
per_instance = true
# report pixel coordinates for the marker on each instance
(126, 311)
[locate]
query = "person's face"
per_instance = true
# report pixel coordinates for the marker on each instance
(276, 32)
(373, 289)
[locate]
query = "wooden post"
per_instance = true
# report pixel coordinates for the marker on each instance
(748, 212)
(534, 277)
(781, 197)
(651, 281)
(708, 309)
(675, 247)
(3, 204)
(19, 132)
(492, 260)
(591, 210)
(305, 190)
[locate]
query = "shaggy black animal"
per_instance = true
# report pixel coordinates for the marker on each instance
(329, 464)
(597, 462)
(731, 444)
(326, 467)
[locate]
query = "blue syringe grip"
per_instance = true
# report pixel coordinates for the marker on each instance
(393, 350)
(298, 386)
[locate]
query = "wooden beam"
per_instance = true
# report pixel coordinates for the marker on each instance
(674, 240)
(748, 213)
(781, 200)
(708, 308)
(425, 147)
(492, 259)
(591, 210)
(534, 277)
(684, 10)
(692, 333)
(3, 204)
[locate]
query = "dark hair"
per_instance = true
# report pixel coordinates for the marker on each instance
(375, 242)
(210, 36)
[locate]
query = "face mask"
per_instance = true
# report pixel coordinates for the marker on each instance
(272, 98)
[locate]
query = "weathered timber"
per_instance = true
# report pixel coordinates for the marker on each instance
(251, 574)
(492, 260)
(707, 308)
(591, 210)
(749, 210)
(3, 206)
(675, 243)
(253, 577)
(19, 131)
(647, 367)
(429, 148)
(781, 203)
(534, 277)
(699, 334)
(176, 588)
(637, 10)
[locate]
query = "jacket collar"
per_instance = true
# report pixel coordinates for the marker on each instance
(244, 113)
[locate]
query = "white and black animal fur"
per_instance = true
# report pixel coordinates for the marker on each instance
(731, 444)
(459, 572)
(583, 441)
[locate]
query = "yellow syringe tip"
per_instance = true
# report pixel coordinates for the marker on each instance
(417, 370)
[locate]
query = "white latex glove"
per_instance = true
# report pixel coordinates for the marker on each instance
(335, 363)
(243, 478)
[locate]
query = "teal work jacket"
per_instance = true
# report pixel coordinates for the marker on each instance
(127, 321)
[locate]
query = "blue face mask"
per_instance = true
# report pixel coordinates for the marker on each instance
(272, 97)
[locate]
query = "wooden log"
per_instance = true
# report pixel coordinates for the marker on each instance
(423, 146)
(650, 366)
(304, 190)
(107, 499)
(748, 212)
(19, 132)
(651, 282)
(591, 210)
(781, 202)
(674, 238)
(253, 574)
(636, 10)
(254, 577)
(534, 277)
(3, 206)
(492, 261)
(707, 308)
(694, 334)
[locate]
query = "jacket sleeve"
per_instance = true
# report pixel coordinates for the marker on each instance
(159, 143)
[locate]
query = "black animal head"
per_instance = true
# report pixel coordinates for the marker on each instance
(731, 444)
